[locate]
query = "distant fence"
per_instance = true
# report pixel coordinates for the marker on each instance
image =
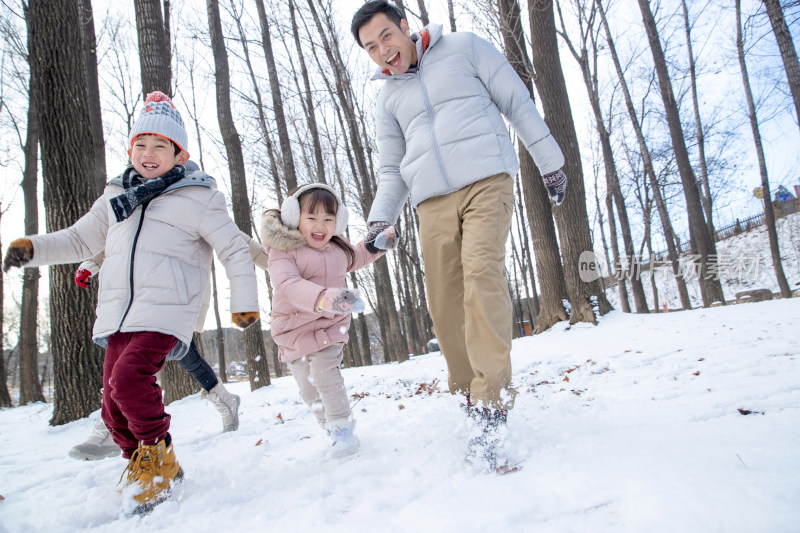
(737, 227)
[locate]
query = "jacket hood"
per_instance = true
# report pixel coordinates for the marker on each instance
(426, 38)
(276, 234)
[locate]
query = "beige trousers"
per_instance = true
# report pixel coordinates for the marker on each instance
(463, 237)
(321, 383)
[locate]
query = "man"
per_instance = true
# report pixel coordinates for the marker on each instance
(443, 142)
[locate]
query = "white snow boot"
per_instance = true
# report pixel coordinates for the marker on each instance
(98, 445)
(226, 403)
(345, 441)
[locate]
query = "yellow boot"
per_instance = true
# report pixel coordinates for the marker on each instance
(155, 470)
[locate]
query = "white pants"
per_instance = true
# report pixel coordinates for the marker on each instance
(321, 383)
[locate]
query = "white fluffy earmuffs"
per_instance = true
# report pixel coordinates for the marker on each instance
(290, 209)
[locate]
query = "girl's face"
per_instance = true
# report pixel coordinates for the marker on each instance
(317, 226)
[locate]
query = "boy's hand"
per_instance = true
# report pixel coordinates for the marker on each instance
(82, 277)
(19, 252)
(556, 183)
(244, 320)
(340, 301)
(381, 236)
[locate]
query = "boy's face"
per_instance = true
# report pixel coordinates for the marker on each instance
(153, 156)
(317, 227)
(388, 45)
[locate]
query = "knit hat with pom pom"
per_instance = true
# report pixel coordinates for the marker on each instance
(160, 117)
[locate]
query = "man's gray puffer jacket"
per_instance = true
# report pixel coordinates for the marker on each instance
(440, 126)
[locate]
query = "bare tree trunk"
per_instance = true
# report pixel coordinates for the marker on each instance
(769, 214)
(423, 13)
(702, 244)
(66, 137)
(631, 269)
(451, 15)
(701, 142)
(258, 369)
(788, 52)
(648, 166)
(223, 371)
(154, 48)
(5, 397)
(289, 174)
(309, 104)
(98, 159)
(537, 204)
(28, 343)
(572, 218)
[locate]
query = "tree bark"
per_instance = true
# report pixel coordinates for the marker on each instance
(66, 137)
(154, 48)
(289, 174)
(572, 219)
(769, 213)
(5, 396)
(702, 245)
(258, 369)
(451, 15)
(647, 161)
(788, 52)
(537, 205)
(173, 377)
(97, 170)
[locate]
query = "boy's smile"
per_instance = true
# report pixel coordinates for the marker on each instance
(153, 156)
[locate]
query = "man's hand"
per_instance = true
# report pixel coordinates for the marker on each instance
(82, 277)
(340, 301)
(381, 236)
(19, 252)
(244, 320)
(556, 183)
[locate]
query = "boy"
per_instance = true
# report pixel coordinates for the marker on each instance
(159, 225)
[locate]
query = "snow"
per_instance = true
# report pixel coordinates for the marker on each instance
(632, 425)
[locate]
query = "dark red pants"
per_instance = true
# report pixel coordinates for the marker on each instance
(133, 408)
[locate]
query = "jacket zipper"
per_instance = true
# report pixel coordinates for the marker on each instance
(133, 255)
(433, 129)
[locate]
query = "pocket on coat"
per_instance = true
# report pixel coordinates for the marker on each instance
(180, 281)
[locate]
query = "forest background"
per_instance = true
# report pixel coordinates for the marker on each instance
(300, 105)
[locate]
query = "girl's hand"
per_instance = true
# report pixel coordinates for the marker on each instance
(340, 301)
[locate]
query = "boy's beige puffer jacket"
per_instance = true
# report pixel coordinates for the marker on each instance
(157, 262)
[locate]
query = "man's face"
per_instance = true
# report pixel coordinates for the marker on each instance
(388, 45)
(153, 156)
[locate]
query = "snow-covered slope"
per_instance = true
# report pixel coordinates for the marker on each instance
(633, 425)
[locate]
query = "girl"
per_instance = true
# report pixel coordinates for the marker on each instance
(308, 261)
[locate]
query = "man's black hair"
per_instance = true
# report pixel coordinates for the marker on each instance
(369, 10)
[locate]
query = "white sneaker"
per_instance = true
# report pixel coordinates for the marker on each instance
(98, 445)
(345, 441)
(226, 403)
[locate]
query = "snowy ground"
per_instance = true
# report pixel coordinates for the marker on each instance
(630, 426)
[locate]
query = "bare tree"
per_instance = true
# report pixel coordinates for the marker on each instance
(66, 137)
(289, 175)
(258, 369)
(587, 24)
(537, 204)
(698, 123)
(5, 397)
(701, 241)
(769, 213)
(788, 52)
(647, 161)
(451, 15)
(154, 47)
(572, 218)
